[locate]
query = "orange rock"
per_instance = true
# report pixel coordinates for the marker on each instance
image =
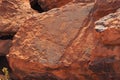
(40, 43)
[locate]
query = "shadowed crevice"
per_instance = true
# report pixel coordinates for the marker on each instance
(34, 5)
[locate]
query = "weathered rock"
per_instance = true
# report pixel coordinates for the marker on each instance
(40, 43)
(61, 44)
(90, 53)
(13, 13)
(104, 7)
(109, 29)
(49, 4)
(105, 58)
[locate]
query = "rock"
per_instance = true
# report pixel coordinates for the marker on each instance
(104, 7)
(62, 44)
(87, 54)
(13, 14)
(105, 57)
(50, 4)
(40, 43)
(111, 29)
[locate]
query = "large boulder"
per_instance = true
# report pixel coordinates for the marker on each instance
(13, 13)
(41, 42)
(62, 44)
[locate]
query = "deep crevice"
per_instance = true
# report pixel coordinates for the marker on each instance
(34, 5)
(4, 63)
(6, 37)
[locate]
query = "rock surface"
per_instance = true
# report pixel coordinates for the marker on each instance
(13, 13)
(43, 44)
(104, 7)
(78, 41)
(109, 28)
(49, 4)
(105, 58)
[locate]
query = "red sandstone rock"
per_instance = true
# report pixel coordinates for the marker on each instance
(105, 57)
(109, 29)
(104, 7)
(62, 44)
(40, 43)
(49, 4)
(13, 13)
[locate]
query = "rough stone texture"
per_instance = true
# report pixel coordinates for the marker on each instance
(45, 38)
(109, 29)
(104, 7)
(13, 13)
(62, 44)
(105, 58)
(88, 50)
(49, 4)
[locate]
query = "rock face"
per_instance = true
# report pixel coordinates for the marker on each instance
(105, 57)
(44, 43)
(49, 4)
(69, 43)
(108, 28)
(13, 13)
(46, 5)
(104, 7)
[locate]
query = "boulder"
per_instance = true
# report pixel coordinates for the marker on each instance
(69, 43)
(13, 14)
(105, 57)
(108, 28)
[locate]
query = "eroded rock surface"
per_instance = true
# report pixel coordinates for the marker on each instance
(13, 13)
(109, 29)
(68, 43)
(43, 39)
(105, 57)
(104, 7)
(49, 4)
